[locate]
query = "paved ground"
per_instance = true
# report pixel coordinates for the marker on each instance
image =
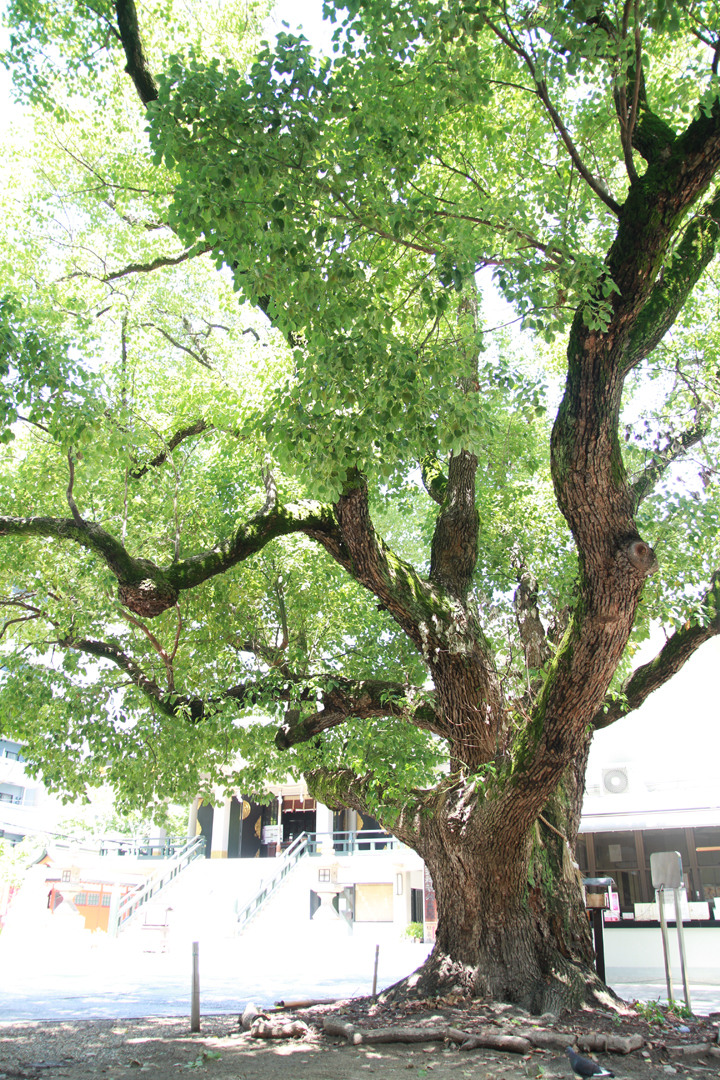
(118, 981)
(109, 982)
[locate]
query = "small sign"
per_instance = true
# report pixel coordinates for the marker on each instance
(271, 834)
(612, 913)
(666, 870)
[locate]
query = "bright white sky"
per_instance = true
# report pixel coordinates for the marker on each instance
(680, 722)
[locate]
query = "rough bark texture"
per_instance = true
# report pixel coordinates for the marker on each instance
(511, 921)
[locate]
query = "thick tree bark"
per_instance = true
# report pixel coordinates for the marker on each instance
(511, 923)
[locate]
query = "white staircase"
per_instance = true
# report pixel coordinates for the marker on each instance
(204, 903)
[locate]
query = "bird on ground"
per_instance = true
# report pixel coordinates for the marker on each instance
(584, 1067)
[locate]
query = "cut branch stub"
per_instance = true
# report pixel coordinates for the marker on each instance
(148, 597)
(641, 556)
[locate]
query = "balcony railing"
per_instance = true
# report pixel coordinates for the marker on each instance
(364, 842)
(123, 911)
(161, 847)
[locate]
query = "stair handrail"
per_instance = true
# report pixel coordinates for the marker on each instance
(283, 866)
(161, 877)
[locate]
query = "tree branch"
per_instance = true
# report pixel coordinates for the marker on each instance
(532, 632)
(136, 66)
(105, 650)
(454, 544)
(148, 589)
(178, 345)
(197, 428)
(542, 93)
(158, 647)
(349, 698)
(699, 628)
(156, 264)
(675, 283)
(433, 478)
(77, 518)
(174, 706)
(661, 461)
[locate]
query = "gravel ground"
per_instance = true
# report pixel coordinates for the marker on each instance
(32, 1050)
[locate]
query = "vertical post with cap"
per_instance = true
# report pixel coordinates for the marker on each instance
(195, 990)
(681, 946)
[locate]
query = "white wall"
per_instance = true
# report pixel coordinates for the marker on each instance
(635, 954)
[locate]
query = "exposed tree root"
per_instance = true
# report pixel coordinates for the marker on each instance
(565, 986)
(516, 1042)
(513, 1044)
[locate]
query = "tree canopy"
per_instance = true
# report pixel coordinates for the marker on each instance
(267, 451)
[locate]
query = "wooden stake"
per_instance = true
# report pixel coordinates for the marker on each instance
(377, 953)
(195, 991)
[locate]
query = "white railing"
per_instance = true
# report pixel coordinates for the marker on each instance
(281, 868)
(123, 911)
(364, 842)
(367, 841)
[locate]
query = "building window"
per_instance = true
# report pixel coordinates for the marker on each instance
(707, 846)
(665, 840)
(616, 857)
(93, 899)
(80, 898)
(324, 875)
(106, 899)
(66, 875)
(11, 793)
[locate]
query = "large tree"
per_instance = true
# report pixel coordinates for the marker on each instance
(343, 503)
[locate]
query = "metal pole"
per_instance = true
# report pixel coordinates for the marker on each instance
(599, 942)
(659, 894)
(377, 954)
(681, 943)
(195, 992)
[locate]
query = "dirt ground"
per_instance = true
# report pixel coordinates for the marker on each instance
(76, 1050)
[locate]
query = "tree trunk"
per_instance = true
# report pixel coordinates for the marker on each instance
(510, 928)
(511, 918)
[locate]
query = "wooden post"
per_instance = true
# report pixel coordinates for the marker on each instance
(195, 992)
(377, 954)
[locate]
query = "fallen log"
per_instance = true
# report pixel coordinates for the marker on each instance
(380, 1035)
(306, 1003)
(547, 1040)
(249, 1015)
(468, 1041)
(510, 1044)
(593, 1042)
(266, 1029)
(689, 1050)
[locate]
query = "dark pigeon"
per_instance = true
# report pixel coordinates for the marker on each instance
(584, 1067)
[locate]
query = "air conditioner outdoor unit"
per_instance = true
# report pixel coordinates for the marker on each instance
(615, 780)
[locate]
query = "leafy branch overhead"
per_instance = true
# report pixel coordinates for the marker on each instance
(280, 340)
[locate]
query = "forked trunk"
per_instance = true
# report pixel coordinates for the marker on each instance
(511, 919)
